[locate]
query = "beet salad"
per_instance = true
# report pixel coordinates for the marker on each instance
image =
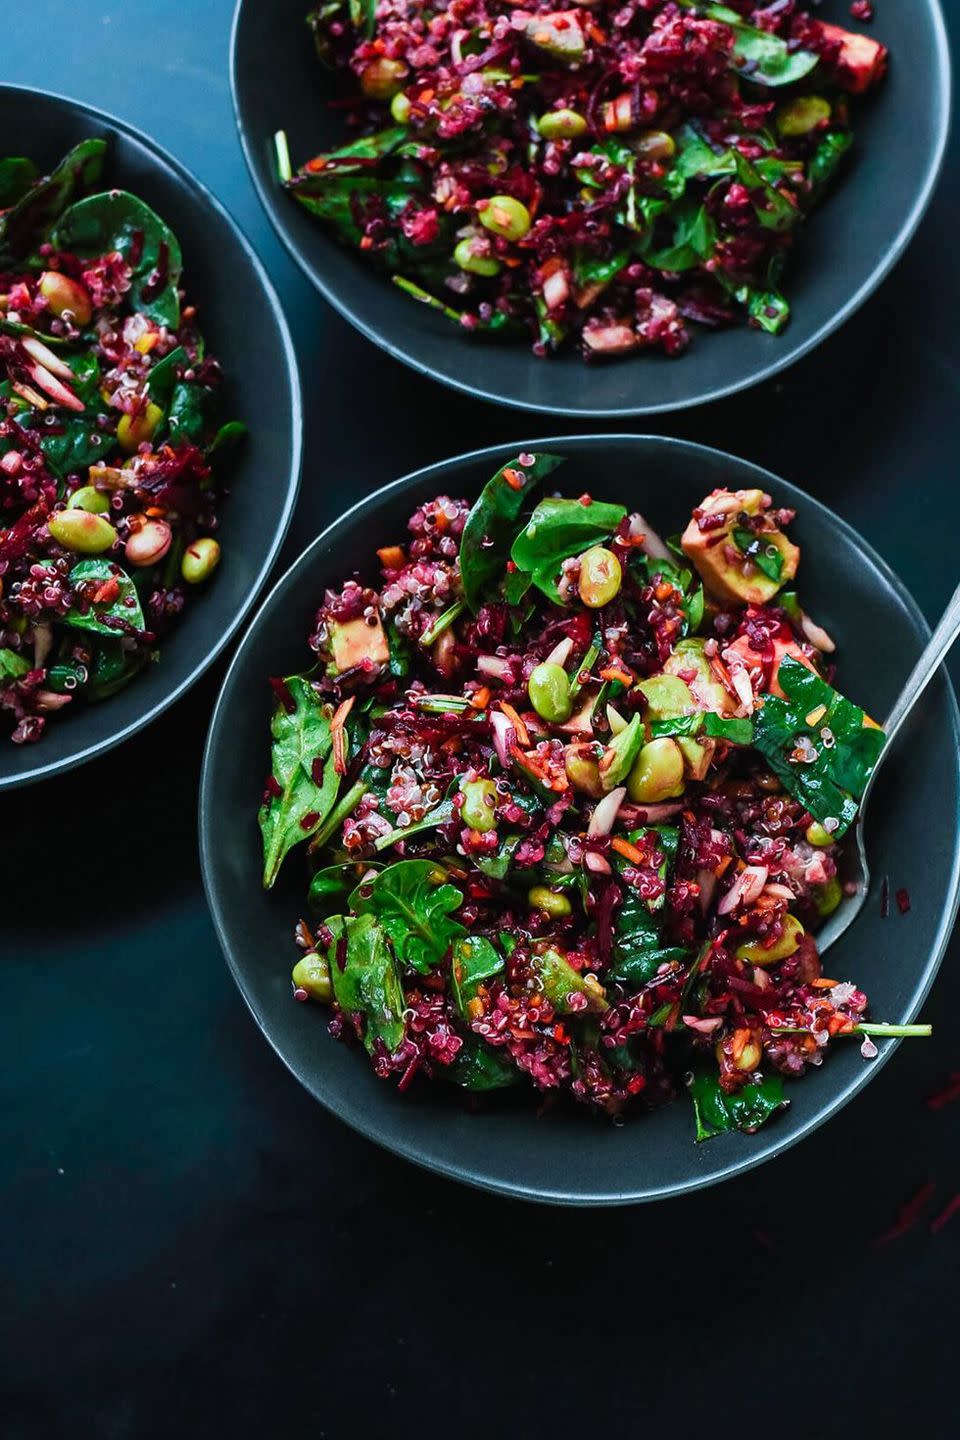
(602, 177)
(574, 801)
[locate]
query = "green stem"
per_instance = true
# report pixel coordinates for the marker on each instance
(417, 292)
(284, 167)
(338, 814)
(438, 816)
(587, 664)
(870, 1027)
(442, 622)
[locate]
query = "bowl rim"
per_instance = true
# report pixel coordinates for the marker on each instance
(891, 257)
(42, 770)
(464, 1171)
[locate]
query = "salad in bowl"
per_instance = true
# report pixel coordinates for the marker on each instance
(574, 801)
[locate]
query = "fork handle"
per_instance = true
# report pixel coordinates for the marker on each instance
(927, 666)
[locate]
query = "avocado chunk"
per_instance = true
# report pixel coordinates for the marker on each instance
(691, 664)
(667, 696)
(559, 35)
(356, 642)
(728, 573)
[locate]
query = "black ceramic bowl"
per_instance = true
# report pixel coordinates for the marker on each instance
(245, 328)
(846, 250)
(569, 1155)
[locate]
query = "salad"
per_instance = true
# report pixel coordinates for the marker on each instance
(574, 802)
(108, 481)
(603, 176)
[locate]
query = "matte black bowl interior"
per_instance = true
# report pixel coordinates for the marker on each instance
(567, 1155)
(847, 249)
(245, 328)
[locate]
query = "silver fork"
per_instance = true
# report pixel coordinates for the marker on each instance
(920, 677)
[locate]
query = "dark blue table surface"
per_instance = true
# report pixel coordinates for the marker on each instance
(191, 1246)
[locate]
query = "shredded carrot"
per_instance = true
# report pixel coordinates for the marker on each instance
(628, 851)
(366, 242)
(481, 699)
(823, 984)
(663, 591)
(523, 734)
(724, 866)
(392, 557)
(739, 1043)
(513, 478)
(156, 512)
(617, 672)
(723, 675)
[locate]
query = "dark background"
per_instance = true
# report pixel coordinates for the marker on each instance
(190, 1245)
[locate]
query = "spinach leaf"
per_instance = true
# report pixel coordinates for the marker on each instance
(12, 665)
(596, 270)
(76, 441)
(478, 1067)
(37, 208)
(694, 240)
(493, 523)
(561, 982)
(117, 220)
(300, 736)
(759, 56)
(826, 159)
(352, 159)
(413, 904)
(363, 14)
(820, 745)
(772, 208)
(638, 949)
(369, 983)
(163, 376)
(17, 174)
(474, 960)
(717, 1113)
(229, 434)
(112, 668)
(768, 560)
(439, 815)
(122, 608)
(556, 530)
(186, 417)
(331, 886)
(696, 159)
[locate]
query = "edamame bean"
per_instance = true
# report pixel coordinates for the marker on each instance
(600, 577)
(504, 216)
(478, 811)
(312, 974)
(551, 902)
(469, 255)
(82, 532)
(759, 954)
(66, 297)
(657, 772)
(549, 691)
(133, 430)
(91, 499)
(200, 560)
(800, 116)
(382, 78)
(817, 835)
(561, 125)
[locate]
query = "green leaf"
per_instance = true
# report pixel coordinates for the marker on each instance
(230, 434)
(352, 159)
(186, 417)
(363, 16)
(759, 56)
(596, 269)
(617, 759)
(561, 982)
(772, 209)
(299, 738)
(717, 1113)
(493, 523)
(830, 783)
(478, 1067)
(117, 220)
(331, 886)
(474, 960)
(112, 669)
(17, 174)
(414, 909)
(369, 983)
(767, 559)
(439, 815)
(558, 529)
(123, 609)
(30, 217)
(162, 377)
(694, 240)
(12, 665)
(696, 159)
(77, 442)
(826, 159)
